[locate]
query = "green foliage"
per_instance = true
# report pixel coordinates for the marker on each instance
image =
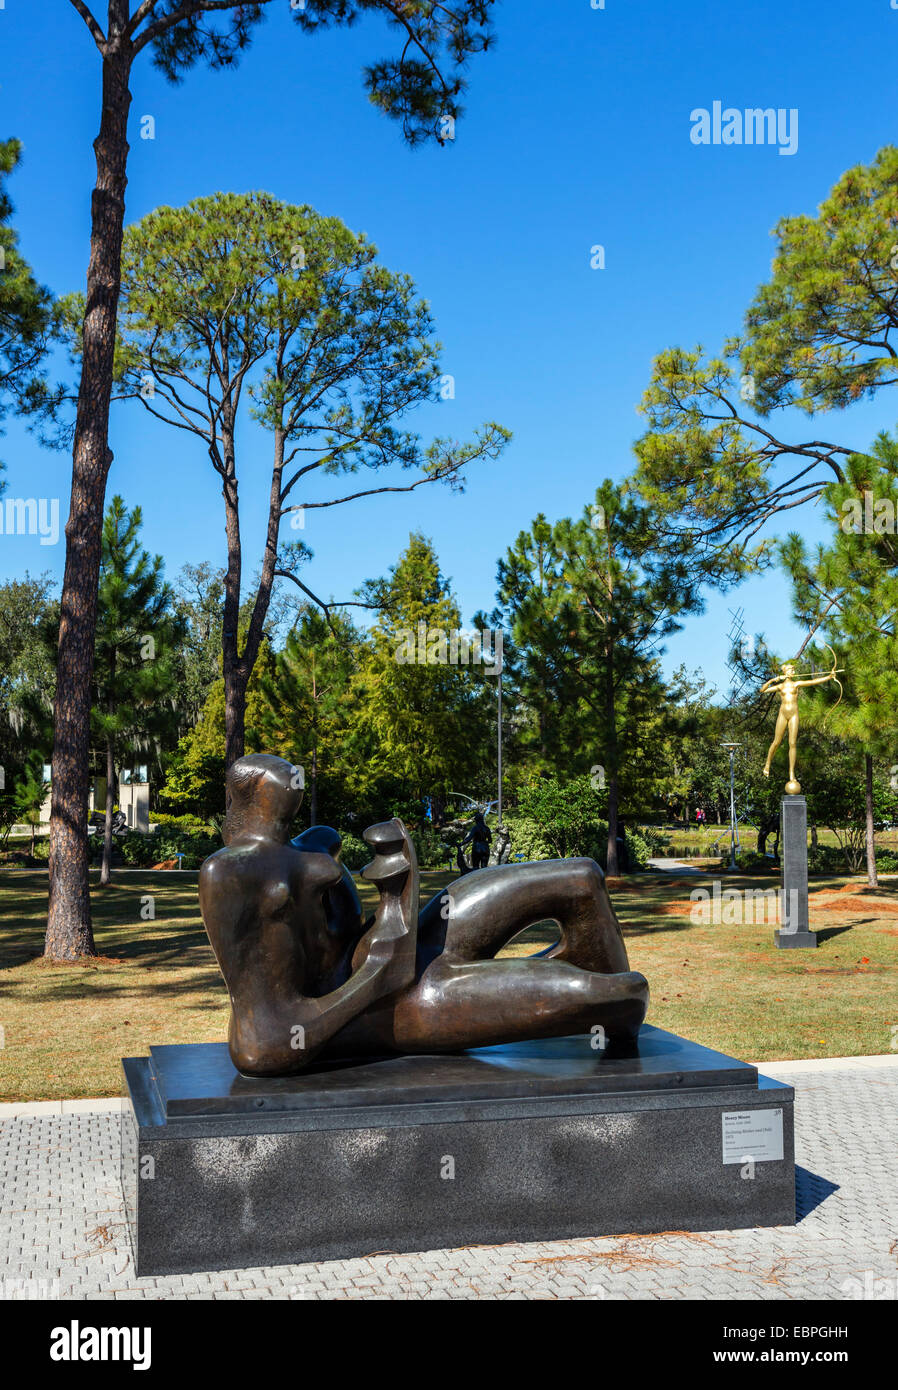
(28, 322)
(818, 335)
(199, 603)
(568, 814)
(590, 602)
(850, 589)
(418, 728)
(184, 822)
(303, 707)
(354, 853)
(136, 641)
(418, 87)
(430, 847)
(528, 839)
(142, 851)
(827, 859)
(241, 291)
(29, 794)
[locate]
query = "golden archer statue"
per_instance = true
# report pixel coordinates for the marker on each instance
(787, 687)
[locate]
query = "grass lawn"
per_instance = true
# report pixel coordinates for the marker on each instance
(66, 1026)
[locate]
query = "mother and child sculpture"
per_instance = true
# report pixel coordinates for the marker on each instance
(311, 978)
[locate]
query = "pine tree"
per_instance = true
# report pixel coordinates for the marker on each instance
(27, 317)
(849, 590)
(134, 678)
(420, 88)
(303, 707)
(422, 723)
(590, 603)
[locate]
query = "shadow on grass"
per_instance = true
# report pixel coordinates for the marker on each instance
(826, 933)
(133, 987)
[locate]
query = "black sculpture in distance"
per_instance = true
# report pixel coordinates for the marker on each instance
(309, 978)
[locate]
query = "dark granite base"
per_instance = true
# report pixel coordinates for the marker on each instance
(537, 1141)
(795, 940)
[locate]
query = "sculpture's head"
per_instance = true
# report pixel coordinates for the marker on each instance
(788, 670)
(264, 794)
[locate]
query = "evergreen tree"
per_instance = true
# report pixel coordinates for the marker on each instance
(420, 88)
(27, 318)
(135, 665)
(304, 706)
(590, 602)
(422, 719)
(820, 334)
(848, 589)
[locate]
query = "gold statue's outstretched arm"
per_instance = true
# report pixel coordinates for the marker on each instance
(821, 680)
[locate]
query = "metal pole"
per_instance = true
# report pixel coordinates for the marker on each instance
(732, 810)
(731, 749)
(500, 745)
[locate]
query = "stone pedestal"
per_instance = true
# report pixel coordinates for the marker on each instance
(540, 1141)
(794, 930)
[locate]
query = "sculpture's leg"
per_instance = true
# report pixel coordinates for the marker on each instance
(460, 1004)
(476, 917)
(466, 999)
(781, 725)
(793, 745)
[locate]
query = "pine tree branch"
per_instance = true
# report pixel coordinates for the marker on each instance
(96, 32)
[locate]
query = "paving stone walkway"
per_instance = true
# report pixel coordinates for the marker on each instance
(63, 1233)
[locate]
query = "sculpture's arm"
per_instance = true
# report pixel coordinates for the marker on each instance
(320, 1019)
(771, 684)
(820, 680)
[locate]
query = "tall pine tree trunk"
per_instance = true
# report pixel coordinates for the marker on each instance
(237, 667)
(234, 680)
(106, 866)
(872, 876)
(69, 931)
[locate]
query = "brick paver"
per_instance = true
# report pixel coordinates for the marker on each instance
(63, 1233)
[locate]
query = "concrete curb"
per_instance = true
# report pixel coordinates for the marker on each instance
(16, 1109)
(889, 1059)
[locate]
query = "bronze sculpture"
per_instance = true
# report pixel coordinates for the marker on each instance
(787, 686)
(309, 978)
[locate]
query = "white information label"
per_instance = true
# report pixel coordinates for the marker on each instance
(752, 1134)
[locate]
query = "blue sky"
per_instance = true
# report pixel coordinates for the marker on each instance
(576, 133)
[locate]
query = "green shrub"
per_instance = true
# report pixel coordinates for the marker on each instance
(527, 839)
(186, 822)
(355, 854)
(569, 814)
(138, 851)
(657, 842)
(826, 859)
(748, 861)
(431, 849)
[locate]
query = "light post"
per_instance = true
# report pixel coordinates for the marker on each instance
(734, 835)
(499, 744)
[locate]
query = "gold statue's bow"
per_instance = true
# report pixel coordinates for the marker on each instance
(838, 683)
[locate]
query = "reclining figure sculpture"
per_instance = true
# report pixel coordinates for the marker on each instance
(310, 978)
